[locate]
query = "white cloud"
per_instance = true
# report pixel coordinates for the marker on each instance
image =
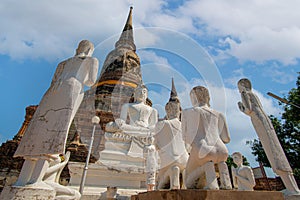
(253, 30)
(51, 30)
(261, 30)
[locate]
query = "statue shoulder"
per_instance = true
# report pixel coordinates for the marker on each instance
(188, 110)
(91, 60)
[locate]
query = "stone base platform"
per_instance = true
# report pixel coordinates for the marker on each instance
(26, 192)
(99, 193)
(99, 175)
(208, 195)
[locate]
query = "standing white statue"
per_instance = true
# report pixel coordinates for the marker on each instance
(150, 154)
(243, 178)
(52, 179)
(171, 148)
(206, 131)
(47, 132)
(251, 106)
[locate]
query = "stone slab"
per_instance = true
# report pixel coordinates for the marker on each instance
(102, 176)
(23, 193)
(99, 193)
(208, 195)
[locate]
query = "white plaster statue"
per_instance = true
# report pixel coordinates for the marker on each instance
(243, 178)
(52, 179)
(206, 131)
(46, 134)
(151, 156)
(142, 117)
(171, 148)
(142, 120)
(251, 106)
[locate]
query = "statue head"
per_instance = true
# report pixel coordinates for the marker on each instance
(244, 85)
(237, 158)
(140, 94)
(172, 110)
(199, 96)
(85, 48)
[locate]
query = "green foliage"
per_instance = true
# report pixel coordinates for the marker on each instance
(288, 132)
(230, 162)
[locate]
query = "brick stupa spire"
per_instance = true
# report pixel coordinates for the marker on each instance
(120, 75)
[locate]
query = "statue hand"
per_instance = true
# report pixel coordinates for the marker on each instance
(233, 170)
(67, 156)
(142, 124)
(241, 106)
(119, 122)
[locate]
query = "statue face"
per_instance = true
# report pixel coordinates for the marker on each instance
(85, 47)
(141, 94)
(237, 159)
(241, 88)
(244, 85)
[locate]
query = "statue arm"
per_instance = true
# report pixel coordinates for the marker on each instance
(92, 72)
(58, 72)
(124, 112)
(233, 172)
(248, 180)
(187, 140)
(153, 120)
(59, 166)
(224, 133)
(184, 128)
(250, 177)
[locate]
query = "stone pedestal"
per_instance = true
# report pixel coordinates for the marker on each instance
(21, 193)
(99, 175)
(123, 152)
(208, 195)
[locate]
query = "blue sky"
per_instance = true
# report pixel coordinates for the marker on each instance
(208, 42)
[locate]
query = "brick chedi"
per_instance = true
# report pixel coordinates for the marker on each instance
(120, 75)
(10, 167)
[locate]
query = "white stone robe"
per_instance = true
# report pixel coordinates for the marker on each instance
(206, 131)
(48, 129)
(266, 133)
(170, 144)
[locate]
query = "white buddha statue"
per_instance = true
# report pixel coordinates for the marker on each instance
(142, 118)
(243, 178)
(128, 134)
(252, 107)
(170, 145)
(205, 130)
(47, 132)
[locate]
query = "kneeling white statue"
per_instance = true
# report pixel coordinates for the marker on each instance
(243, 178)
(206, 131)
(171, 148)
(52, 179)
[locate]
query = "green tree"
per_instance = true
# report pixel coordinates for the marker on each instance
(288, 132)
(230, 162)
